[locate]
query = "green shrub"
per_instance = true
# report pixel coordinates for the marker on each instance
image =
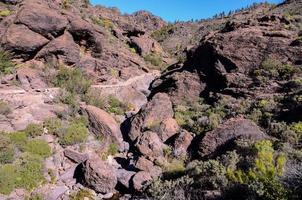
(5, 13)
(35, 196)
(73, 80)
(26, 172)
(4, 108)
(29, 171)
(162, 33)
(7, 66)
(154, 59)
(7, 151)
(198, 118)
(82, 194)
(19, 139)
(75, 133)
(94, 98)
(34, 130)
(273, 69)
(297, 127)
(38, 147)
(263, 177)
(208, 174)
(116, 106)
(53, 126)
(8, 176)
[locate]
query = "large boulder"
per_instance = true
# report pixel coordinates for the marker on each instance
(146, 165)
(20, 39)
(102, 123)
(182, 143)
(99, 175)
(218, 140)
(41, 19)
(167, 129)
(63, 48)
(151, 115)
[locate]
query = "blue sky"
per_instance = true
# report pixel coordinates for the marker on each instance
(184, 10)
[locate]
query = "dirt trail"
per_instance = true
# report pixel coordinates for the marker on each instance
(16, 90)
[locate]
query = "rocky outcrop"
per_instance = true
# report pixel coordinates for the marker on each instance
(22, 41)
(40, 18)
(182, 143)
(221, 138)
(62, 48)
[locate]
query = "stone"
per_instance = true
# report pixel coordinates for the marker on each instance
(215, 141)
(151, 115)
(103, 123)
(146, 165)
(167, 129)
(75, 156)
(19, 38)
(150, 145)
(182, 142)
(41, 19)
(99, 176)
(63, 48)
(140, 180)
(124, 177)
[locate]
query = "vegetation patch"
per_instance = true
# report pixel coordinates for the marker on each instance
(5, 109)
(5, 13)
(74, 133)
(7, 66)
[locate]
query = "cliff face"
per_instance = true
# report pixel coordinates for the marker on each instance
(101, 105)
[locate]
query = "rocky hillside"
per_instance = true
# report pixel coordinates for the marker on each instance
(95, 104)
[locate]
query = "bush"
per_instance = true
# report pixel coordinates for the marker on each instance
(94, 98)
(82, 194)
(75, 133)
(263, 177)
(116, 106)
(274, 70)
(6, 150)
(34, 130)
(297, 127)
(155, 60)
(208, 174)
(38, 147)
(53, 126)
(7, 66)
(5, 13)
(26, 172)
(73, 80)
(19, 139)
(4, 108)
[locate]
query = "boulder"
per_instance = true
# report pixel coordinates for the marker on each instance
(150, 145)
(41, 19)
(140, 180)
(146, 165)
(167, 129)
(150, 116)
(99, 175)
(19, 38)
(182, 142)
(75, 156)
(30, 78)
(124, 177)
(63, 48)
(82, 31)
(103, 123)
(218, 140)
